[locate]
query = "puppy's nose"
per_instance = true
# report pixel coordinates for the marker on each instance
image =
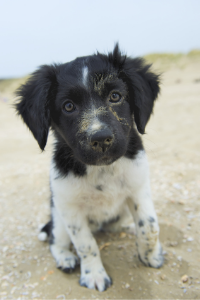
(102, 140)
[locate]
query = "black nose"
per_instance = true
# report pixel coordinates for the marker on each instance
(102, 140)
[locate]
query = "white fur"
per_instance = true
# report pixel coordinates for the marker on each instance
(95, 126)
(77, 199)
(65, 259)
(123, 179)
(42, 236)
(81, 195)
(85, 75)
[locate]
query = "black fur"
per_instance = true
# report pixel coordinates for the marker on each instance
(42, 98)
(95, 107)
(47, 228)
(34, 106)
(151, 219)
(141, 223)
(65, 161)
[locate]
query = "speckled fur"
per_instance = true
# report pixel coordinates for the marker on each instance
(77, 200)
(99, 172)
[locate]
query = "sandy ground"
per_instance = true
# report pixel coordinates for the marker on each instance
(27, 269)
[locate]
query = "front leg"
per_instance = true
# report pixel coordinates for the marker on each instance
(142, 208)
(60, 244)
(93, 274)
(147, 232)
(75, 222)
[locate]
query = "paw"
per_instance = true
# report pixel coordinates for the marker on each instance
(65, 259)
(152, 257)
(129, 228)
(95, 279)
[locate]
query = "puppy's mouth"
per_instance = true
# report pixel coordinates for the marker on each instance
(105, 161)
(100, 161)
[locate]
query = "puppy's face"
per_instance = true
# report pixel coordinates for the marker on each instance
(91, 103)
(91, 113)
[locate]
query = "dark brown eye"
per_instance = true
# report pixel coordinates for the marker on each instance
(115, 97)
(69, 107)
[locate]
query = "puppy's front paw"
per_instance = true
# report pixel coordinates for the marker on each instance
(65, 259)
(152, 257)
(94, 278)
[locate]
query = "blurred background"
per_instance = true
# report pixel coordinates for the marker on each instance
(46, 31)
(167, 34)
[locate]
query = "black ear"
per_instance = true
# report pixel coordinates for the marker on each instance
(33, 105)
(143, 86)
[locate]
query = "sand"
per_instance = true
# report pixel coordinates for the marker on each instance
(27, 269)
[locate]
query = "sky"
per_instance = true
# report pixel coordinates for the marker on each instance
(37, 32)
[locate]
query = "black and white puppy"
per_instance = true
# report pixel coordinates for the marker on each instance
(99, 170)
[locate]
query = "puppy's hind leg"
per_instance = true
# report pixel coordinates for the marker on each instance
(60, 243)
(122, 222)
(45, 232)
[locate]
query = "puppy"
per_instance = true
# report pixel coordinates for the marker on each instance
(95, 106)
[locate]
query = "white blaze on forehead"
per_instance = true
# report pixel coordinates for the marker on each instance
(85, 75)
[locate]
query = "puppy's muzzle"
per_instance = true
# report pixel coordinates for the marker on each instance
(102, 140)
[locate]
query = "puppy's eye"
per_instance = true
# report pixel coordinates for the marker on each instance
(115, 97)
(69, 107)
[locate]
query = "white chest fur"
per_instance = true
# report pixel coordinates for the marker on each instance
(101, 192)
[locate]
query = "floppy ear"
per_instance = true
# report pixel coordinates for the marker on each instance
(143, 86)
(33, 105)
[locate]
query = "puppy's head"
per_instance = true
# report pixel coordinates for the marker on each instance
(91, 103)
